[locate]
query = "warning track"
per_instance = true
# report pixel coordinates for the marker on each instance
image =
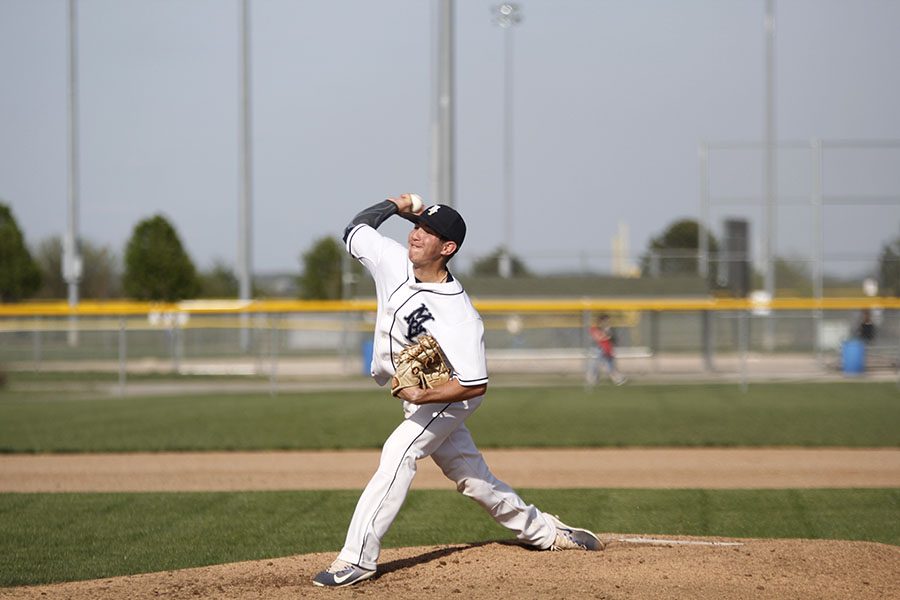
(717, 468)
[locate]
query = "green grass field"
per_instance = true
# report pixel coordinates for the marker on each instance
(832, 414)
(58, 537)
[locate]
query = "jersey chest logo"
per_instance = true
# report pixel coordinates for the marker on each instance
(415, 320)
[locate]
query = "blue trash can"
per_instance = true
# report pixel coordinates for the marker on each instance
(853, 357)
(366, 348)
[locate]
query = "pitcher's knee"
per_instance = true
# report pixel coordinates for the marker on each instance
(390, 469)
(472, 488)
(484, 493)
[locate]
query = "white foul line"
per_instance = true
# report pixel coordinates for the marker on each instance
(662, 542)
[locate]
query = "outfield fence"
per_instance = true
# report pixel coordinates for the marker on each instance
(688, 337)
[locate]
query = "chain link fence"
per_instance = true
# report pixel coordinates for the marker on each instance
(684, 339)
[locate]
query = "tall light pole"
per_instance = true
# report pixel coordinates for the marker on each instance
(506, 16)
(770, 170)
(443, 126)
(71, 259)
(245, 211)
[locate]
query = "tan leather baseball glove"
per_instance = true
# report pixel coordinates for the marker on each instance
(420, 365)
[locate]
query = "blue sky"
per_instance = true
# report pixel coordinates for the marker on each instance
(610, 101)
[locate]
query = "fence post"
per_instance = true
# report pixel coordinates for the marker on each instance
(706, 329)
(654, 338)
(587, 343)
(897, 364)
(173, 346)
(742, 346)
(36, 349)
(123, 350)
(273, 355)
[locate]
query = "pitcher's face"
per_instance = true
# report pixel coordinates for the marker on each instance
(425, 246)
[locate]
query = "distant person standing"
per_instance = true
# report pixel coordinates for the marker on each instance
(604, 355)
(865, 331)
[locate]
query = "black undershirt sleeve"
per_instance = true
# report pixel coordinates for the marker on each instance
(373, 216)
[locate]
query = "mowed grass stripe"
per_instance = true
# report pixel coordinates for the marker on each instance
(809, 414)
(64, 537)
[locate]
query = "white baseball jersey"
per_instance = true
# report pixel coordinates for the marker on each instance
(407, 308)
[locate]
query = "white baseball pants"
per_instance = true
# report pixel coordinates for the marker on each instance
(436, 430)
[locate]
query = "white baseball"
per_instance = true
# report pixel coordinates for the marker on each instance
(416, 203)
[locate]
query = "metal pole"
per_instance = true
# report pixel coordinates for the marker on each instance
(444, 144)
(818, 244)
(588, 344)
(703, 263)
(706, 328)
(179, 344)
(273, 355)
(347, 282)
(506, 16)
(770, 169)
(173, 344)
(897, 367)
(506, 260)
(123, 350)
(36, 347)
(246, 188)
(743, 347)
(71, 259)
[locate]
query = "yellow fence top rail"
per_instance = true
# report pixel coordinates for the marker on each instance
(555, 305)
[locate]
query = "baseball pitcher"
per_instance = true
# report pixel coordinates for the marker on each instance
(429, 345)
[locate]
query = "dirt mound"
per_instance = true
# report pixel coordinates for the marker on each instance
(500, 570)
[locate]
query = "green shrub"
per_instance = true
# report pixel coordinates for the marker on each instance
(156, 265)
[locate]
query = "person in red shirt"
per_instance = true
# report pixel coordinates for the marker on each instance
(605, 354)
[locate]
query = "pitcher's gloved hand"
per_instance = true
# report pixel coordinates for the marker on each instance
(420, 365)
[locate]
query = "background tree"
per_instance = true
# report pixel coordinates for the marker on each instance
(889, 268)
(676, 251)
(219, 282)
(100, 279)
(489, 266)
(20, 276)
(321, 277)
(156, 264)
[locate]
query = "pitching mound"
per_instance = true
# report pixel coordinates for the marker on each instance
(501, 570)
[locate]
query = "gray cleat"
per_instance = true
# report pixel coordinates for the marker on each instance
(573, 538)
(341, 574)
